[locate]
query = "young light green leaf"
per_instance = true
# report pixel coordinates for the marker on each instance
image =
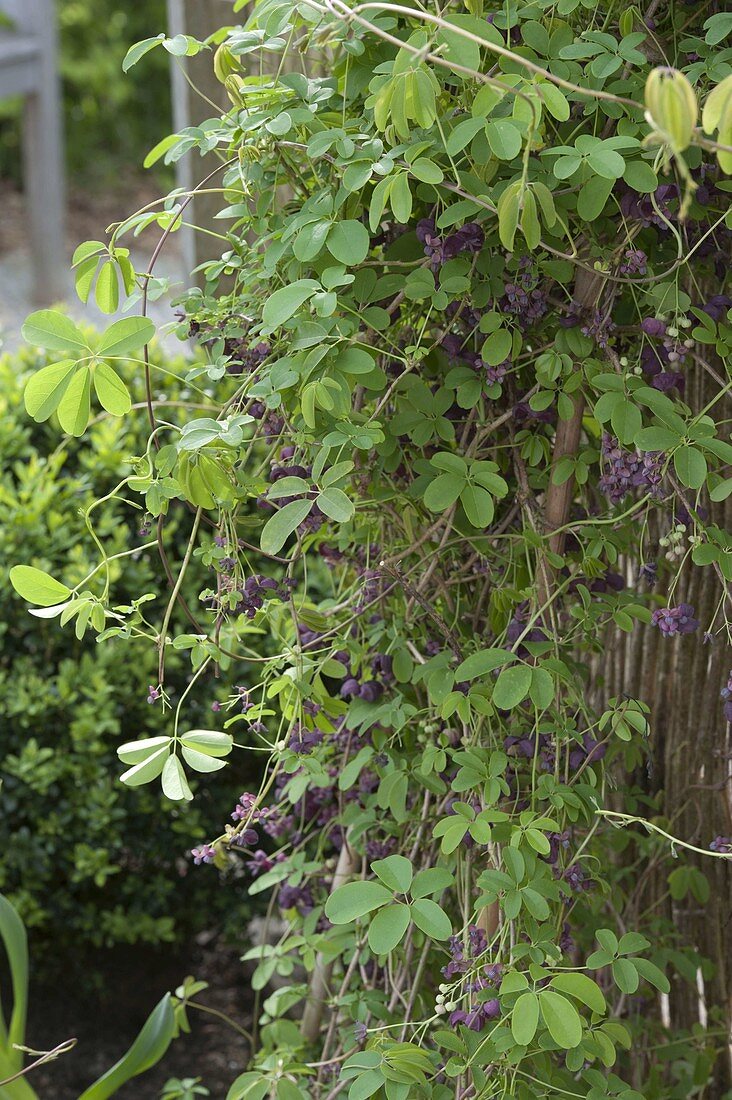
(286, 301)
(75, 405)
(54, 331)
(44, 390)
(583, 988)
(38, 587)
(106, 293)
(174, 782)
(124, 336)
(110, 389)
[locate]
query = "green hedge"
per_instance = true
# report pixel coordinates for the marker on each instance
(86, 861)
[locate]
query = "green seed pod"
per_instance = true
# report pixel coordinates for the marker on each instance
(671, 107)
(717, 115)
(224, 64)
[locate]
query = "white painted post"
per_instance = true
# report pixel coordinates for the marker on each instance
(43, 166)
(199, 18)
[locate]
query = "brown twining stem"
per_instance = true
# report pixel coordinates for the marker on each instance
(319, 990)
(557, 503)
(558, 498)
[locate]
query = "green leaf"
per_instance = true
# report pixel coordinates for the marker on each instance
(431, 919)
(335, 504)
(106, 292)
(431, 881)
(199, 761)
(75, 405)
(54, 331)
(139, 50)
(395, 872)
(281, 525)
(210, 742)
(542, 688)
(388, 928)
(626, 420)
(400, 197)
(606, 162)
(656, 439)
(442, 493)
(525, 1018)
(625, 975)
(286, 301)
(148, 769)
(44, 390)
(349, 242)
(249, 1086)
(497, 347)
(512, 687)
(148, 1048)
(653, 974)
(134, 752)
(122, 337)
(640, 176)
(561, 1018)
(355, 900)
(110, 389)
(722, 490)
(583, 988)
(478, 664)
(504, 138)
(478, 505)
(691, 467)
(38, 587)
(593, 196)
(174, 782)
(15, 943)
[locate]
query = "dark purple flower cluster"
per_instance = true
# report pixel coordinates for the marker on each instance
(245, 358)
(259, 588)
(634, 262)
(303, 740)
(469, 238)
(153, 694)
(675, 620)
(598, 327)
(663, 354)
(577, 878)
(260, 862)
(726, 694)
(464, 959)
(637, 207)
(522, 298)
(296, 897)
(721, 844)
(625, 470)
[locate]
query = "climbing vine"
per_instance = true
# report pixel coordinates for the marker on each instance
(467, 349)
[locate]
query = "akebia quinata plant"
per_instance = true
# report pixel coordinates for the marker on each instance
(464, 358)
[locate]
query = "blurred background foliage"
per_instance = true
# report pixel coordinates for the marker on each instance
(117, 116)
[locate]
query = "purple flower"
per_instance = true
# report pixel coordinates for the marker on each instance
(205, 854)
(721, 844)
(675, 620)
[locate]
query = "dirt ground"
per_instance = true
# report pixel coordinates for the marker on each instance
(106, 1024)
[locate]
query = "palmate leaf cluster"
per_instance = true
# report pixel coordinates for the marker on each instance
(460, 343)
